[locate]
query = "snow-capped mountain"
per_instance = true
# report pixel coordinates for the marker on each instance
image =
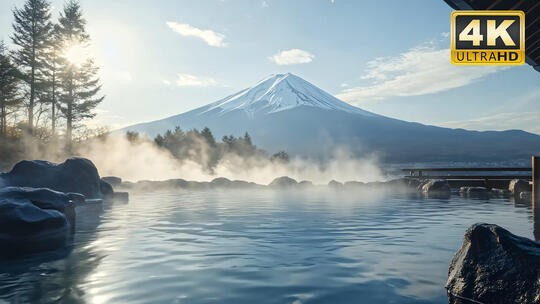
(281, 92)
(285, 112)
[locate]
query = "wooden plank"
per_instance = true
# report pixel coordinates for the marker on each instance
(482, 177)
(491, 169)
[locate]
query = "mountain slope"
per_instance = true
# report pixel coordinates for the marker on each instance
(285, 112)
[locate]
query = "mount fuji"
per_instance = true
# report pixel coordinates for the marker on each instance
(285, 112)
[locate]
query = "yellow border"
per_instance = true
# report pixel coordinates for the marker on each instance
(521, 15)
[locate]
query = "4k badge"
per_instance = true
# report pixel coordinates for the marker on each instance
(488, 37)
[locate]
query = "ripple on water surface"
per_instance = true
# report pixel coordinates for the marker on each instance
(259, 247)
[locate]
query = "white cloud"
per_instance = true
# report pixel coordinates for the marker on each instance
(210, 37)
(421, 70)
(293, 56)
(187, 80)
(166, 82)
(527, 121)
(264, 4)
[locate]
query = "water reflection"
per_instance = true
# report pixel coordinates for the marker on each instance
(264, 247)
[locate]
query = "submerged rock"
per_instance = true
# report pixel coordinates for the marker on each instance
(44, 199)
(77, 175)
(482, 192)
(112, 180)
(500, 192)
(436, 188)
(495, 266)
(222, 182)
(516, 186)
(525, 196)
(335, 184)
(33, 220)
(305, 184)
(283, 182)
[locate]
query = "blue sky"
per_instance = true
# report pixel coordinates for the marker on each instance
(161, 58)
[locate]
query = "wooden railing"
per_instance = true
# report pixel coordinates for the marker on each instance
(419, 173)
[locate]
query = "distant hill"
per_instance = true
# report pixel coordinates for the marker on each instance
(285, 112)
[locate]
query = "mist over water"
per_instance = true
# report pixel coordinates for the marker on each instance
(142, 160)
(264, 246)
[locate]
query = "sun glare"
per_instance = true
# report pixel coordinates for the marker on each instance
(76, 54)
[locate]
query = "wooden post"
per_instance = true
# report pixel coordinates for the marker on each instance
(536, 196)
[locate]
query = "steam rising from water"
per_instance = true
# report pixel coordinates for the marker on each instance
(142, 160)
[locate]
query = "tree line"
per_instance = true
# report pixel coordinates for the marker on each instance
(202, 148)
(44, 82)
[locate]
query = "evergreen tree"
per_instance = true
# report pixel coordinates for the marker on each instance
(208, 137)
(79, 83)
(32, 28)
(9, 88)
(54, 64)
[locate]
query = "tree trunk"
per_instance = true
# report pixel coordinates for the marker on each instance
(3, 121)
(53, 106)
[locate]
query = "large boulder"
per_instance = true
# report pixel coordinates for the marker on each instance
(436, 188)
(44, 199)
(283, 182)
(494, 266)
(77, 175)
(33, 220)
(516, 186)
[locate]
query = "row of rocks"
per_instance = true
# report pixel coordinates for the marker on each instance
(283, 182)
(38, 201)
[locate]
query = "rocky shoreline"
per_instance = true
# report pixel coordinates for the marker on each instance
(38, 202)
(429, 188)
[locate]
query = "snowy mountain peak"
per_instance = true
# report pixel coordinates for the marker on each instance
(279, 92)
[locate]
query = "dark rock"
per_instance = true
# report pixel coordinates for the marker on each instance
(44, 199)
(112, 180)
(74, 175)
(525, 196)
(283, 182)
(335, 184)
(437, 188)
(481, 192)
(33, 220)
(106, 189)
(76, 198)
(495, 266)
(305, 184)
(516, 186)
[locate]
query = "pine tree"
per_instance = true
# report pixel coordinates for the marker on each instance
(54, 64)
(79, 83)
(9, 88)
(32, 28)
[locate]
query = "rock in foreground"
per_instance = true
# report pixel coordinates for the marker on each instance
(33, 220)
(77, 175)
(495, 266)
